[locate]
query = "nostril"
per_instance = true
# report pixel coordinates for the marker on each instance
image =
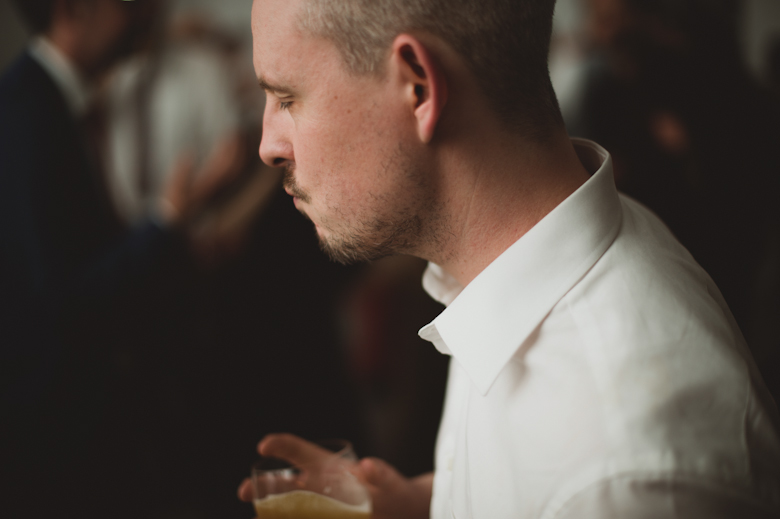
(279, 162)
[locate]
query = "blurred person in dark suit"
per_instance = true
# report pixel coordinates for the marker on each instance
(68, 268)
(692, 136)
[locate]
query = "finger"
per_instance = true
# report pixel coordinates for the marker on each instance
(245, 490)
(291, 448)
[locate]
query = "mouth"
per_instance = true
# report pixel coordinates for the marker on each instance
(296, 199)
(292, 188)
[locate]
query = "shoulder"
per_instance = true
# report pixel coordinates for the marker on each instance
(26, 82)
(680, 386)
(32, 108)
(39, 138)
(647, 287)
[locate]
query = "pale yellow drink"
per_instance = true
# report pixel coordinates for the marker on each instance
(302, 504)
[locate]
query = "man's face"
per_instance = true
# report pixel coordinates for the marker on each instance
(348, 143)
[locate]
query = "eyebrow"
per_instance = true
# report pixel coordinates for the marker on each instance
(276, 89)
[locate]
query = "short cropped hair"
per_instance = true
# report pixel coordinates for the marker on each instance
(36, 14)
(505, 44)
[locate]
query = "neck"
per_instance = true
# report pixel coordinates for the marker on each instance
(496, 188)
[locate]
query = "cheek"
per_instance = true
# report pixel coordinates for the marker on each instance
(338, 152)
(344, 150)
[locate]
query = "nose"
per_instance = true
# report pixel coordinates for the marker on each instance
(275, 146)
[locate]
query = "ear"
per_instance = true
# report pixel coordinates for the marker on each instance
(422, 79)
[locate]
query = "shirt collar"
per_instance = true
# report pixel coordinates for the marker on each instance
(76, 91)
(486, 322)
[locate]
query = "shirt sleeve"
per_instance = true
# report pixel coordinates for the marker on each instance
(663, 498)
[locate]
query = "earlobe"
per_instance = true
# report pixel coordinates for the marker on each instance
(423, 82)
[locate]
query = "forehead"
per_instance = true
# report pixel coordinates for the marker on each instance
(279, 45)
(273, 17)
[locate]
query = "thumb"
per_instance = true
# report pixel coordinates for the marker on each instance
(245, 490)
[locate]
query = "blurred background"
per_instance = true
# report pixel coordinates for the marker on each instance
(247, 329)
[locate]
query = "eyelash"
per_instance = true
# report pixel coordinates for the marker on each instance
(284, 105)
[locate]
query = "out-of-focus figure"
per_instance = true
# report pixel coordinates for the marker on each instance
(184, 94)
(171, 99)
(75, 282)
(692, 136)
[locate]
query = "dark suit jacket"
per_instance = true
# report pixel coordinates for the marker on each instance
(64, 263)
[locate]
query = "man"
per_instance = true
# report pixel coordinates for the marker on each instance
(66, 267)
(596, 371)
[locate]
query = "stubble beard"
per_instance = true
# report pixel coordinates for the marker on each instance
(372, 240)
(379, 236)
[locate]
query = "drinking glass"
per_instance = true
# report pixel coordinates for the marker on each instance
(319, 486)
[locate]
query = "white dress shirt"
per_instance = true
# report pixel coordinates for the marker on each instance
(191, 107)
(597, 373)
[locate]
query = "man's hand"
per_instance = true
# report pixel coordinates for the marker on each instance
(393, 496)
(187, 193)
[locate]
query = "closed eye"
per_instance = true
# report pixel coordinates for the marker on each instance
(284, 105)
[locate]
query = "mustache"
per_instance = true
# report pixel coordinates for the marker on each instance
(292, 187)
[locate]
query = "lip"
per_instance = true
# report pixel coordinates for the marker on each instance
(290, 193)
